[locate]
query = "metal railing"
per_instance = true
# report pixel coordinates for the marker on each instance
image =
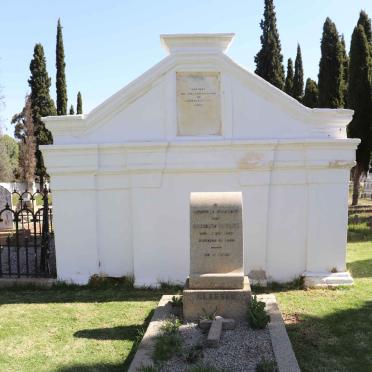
(27, 248)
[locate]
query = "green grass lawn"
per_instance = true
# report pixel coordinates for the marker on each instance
(72, 329)
(331, 330)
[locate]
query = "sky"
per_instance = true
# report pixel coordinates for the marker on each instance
(108, 43)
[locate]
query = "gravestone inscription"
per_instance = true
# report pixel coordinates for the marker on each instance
(216, 253)
(216, 284)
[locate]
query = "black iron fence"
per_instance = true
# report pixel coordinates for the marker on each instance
(27, 244)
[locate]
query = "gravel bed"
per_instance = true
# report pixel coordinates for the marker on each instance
(239, 349)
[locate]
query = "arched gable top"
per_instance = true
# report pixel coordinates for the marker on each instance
(198, 52)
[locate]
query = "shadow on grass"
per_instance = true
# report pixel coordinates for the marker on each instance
(115, 333)
(74, 295)
(101, 367)
(341, 341)
(360, 269)
(131, 333)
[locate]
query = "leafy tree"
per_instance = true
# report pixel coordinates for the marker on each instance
(360, 100)
(330, 68)
(288, 87)
(269, 60)
(60, 77)
(298, 81)
(12, 150)
(6, 173)
(41, 105)
(27, 160)
(72, 111)
(79, 104)
(345, 76)
(311, 94)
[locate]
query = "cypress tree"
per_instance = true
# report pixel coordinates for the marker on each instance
(311, 94)
(269, 60)
(288, 87)
(345, 75)
(360, 100)
(298, 81)
(79, 104)
(330, 68)
(365, 21)
(60, 76)
(72, 111)
(41, 105)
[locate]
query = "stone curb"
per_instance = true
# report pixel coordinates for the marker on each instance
(282, 347)
(143, 357)
(19, 282)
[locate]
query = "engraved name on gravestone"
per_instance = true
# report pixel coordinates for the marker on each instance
(198, 103)
(6, 216)
(216, 252)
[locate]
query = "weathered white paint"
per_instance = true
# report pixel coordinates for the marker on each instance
(122, 177)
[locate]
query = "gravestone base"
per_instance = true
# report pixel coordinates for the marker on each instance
(228, 303)
(216, 281)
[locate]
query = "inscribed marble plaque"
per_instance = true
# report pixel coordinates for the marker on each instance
(198, 103)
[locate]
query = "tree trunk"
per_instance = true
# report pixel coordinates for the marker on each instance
(41, 179)
(356, 185)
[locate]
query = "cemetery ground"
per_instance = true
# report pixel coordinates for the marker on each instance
(97, 327)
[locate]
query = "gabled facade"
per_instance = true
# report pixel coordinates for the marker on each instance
(197, 121)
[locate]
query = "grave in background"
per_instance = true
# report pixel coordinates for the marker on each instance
(6, 218)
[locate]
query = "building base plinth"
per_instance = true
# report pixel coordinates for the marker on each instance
(327, 279)
(228, 303)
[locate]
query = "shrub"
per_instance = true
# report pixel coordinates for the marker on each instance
(195, 353)
(166, 346)
(257, 315)
(171, 326)
(102, 282)
(176, 301)
(266, 366)
(208, 316)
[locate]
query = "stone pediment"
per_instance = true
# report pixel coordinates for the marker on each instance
(236, 103)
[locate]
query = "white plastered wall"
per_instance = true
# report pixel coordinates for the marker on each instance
(121, 177)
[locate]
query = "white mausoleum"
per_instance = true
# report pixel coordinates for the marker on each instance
(198, 121)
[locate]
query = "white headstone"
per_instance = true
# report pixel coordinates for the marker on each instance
(216, 251)
(6, 216)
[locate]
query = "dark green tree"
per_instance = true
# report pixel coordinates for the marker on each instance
(365, 21)
(298, 80)
(79, 104)
(41, 105)
(288, 87)
(345, 71)
(72, 111)
(360, 100)
(60, 76)
(330, 76)
(269, 60)
(311, 94)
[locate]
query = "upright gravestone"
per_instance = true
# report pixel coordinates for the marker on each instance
(6, 217)
(216, 284)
